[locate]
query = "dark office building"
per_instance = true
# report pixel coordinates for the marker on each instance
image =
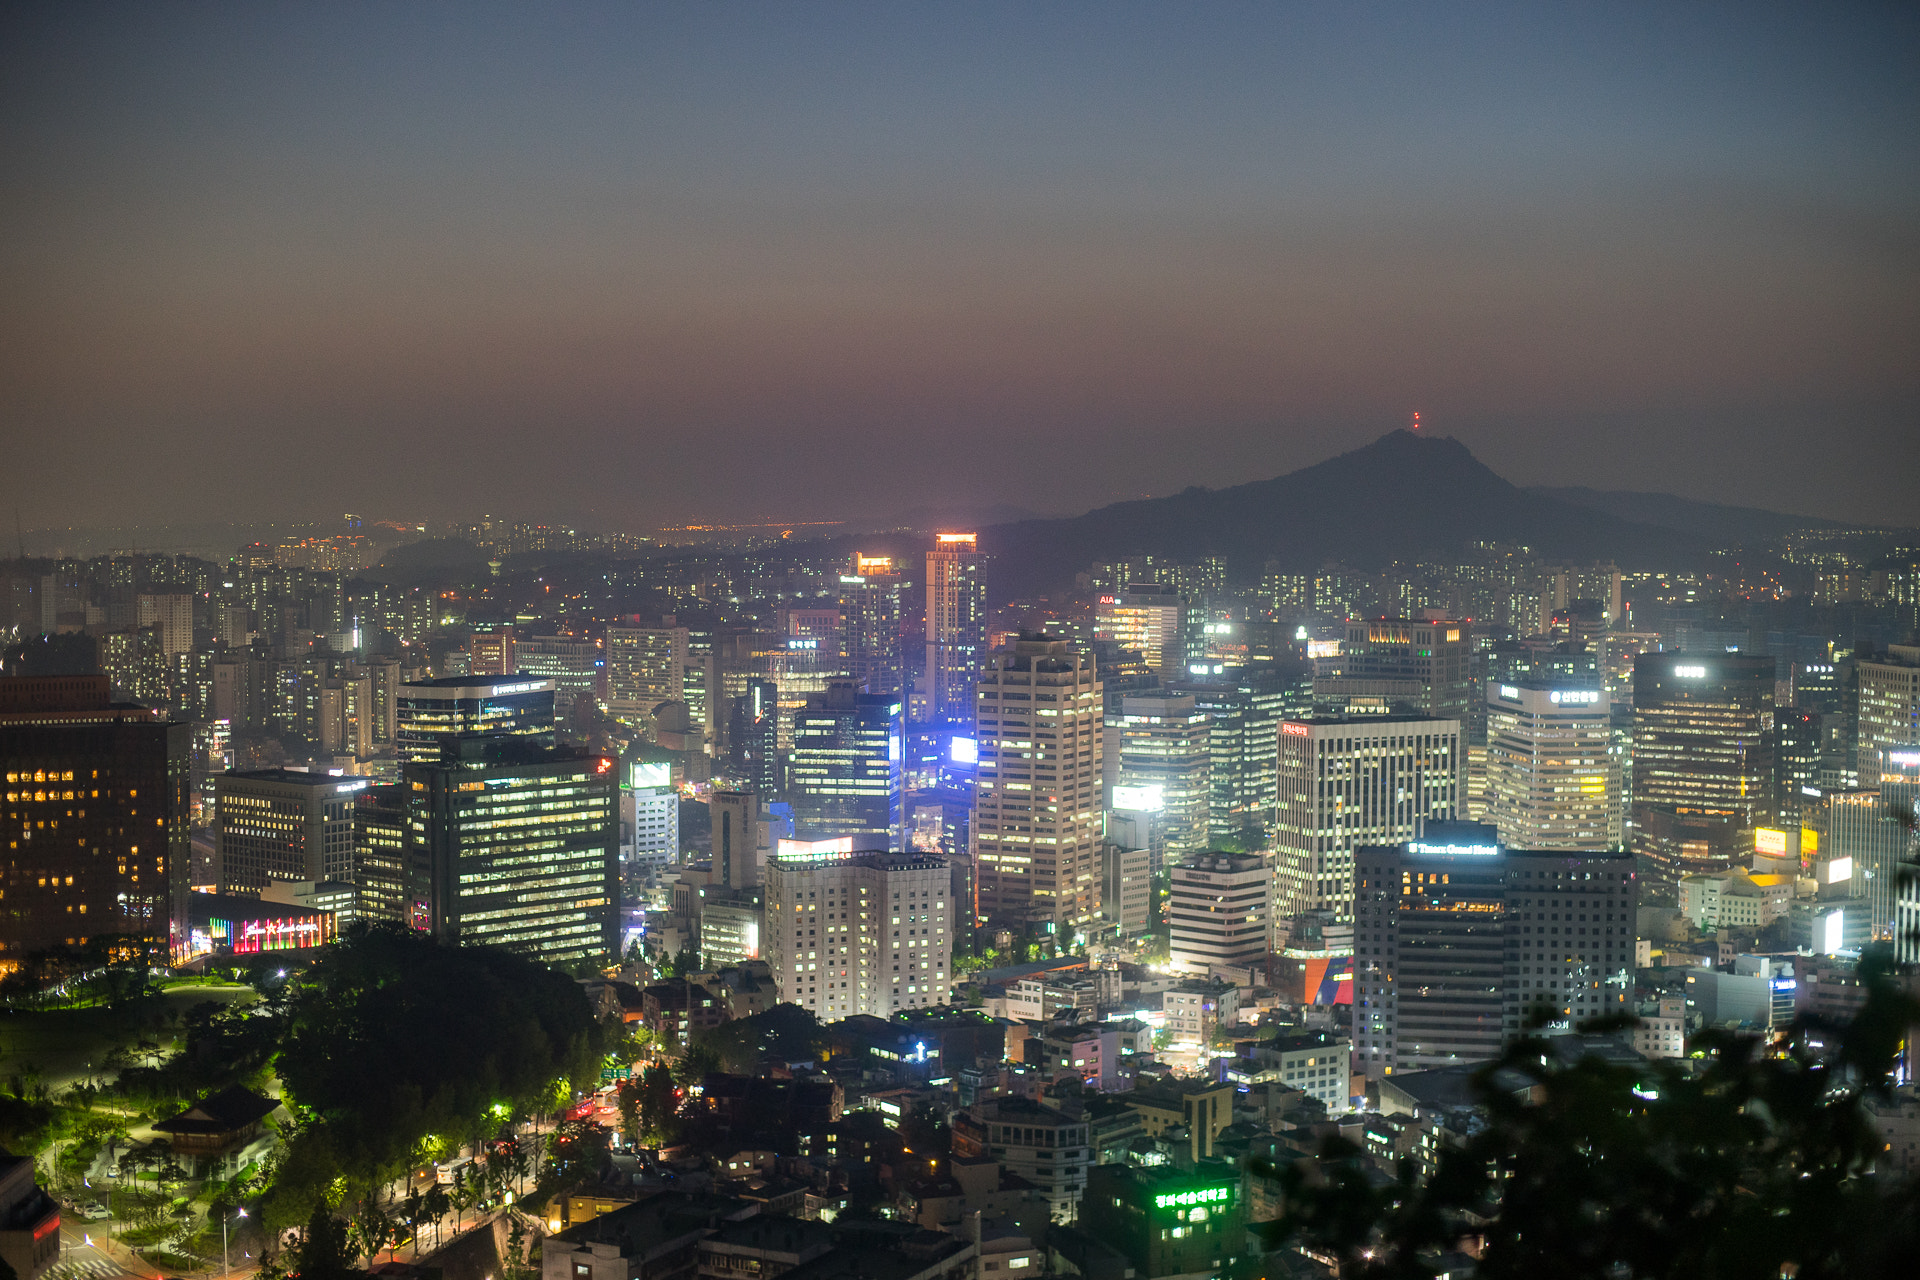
(515, 845)
(1798, 740)
(1703, 772)
(1167, 1221)
(1458, 942)
(754, 738)
(97, 805)
(844, 774)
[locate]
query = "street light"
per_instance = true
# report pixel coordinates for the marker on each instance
(225, 1267)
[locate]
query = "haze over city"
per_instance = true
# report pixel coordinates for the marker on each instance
(650, 265)
(826, 641)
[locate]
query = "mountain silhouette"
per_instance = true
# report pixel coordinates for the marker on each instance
(1404, 497)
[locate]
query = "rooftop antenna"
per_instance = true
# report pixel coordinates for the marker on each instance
(19, 534)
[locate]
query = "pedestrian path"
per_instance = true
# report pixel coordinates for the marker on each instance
(84, 1269)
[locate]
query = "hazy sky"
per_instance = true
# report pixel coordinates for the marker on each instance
(731, 261)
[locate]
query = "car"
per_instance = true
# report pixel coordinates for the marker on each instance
(93, 1211)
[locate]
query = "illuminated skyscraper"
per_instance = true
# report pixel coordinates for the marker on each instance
(515, 845)
(96, 801)
(1159, 623)
(575, 665)
(844, 773)
(1551, 782)
(1889, 707)
(433, 711)
(1165, 742)
(284, 824)
(1036, 828)
(956, 625)
(1702, 760)
(1418, 667)
(646, 666)
(1358, 780)
(873, 605)
(849, 933)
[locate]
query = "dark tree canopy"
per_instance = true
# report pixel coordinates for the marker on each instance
(396, 1043)
(1757, 1161)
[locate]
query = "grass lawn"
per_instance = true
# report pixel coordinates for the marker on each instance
(61, 1042)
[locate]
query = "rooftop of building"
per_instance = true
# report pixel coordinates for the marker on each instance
(299, 778)
(534, 684)
(656, 1219)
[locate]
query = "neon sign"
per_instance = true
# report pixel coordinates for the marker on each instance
(1690, 673)
(1181, 1199)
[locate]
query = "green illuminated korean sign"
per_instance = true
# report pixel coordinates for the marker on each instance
(1183, 1199)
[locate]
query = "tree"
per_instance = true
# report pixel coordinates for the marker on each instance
(326, 1251)
(577, 1150)
(658, 1103)
(396, 1043)
(1757, 1165)
(628, 1097)
(438, 1205)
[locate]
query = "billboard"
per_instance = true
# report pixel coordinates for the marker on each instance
(964, 751)
(1148, 799)
(648, 775)
(1328, 981)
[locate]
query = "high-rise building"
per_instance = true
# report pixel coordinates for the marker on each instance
(1420, 667)
(1218, 913)
(136, 664)
(1551, 782)
(515, 845)
(1126, 894)
(737, 838)
(646, 666)
(97, 808)
(432, 711)
(655, 817)
(1889, 704)
(1460, 944)
(172, 612)
(1244, 707)
(1037, 804)
(283, 824)
(576, 666)
(873, 606)
(1156, 621)
(1702, 760)
(491, 653)
(844, 773)
(1799, 744)
(1866, 833)
(379, 853)
(956, 625)
(755, 738)
(1165, 741)
(1352, 781)
(858, 932)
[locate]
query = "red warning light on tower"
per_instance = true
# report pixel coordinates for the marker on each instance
(1416, 421)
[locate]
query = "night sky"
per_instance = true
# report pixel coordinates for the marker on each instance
(648, 264)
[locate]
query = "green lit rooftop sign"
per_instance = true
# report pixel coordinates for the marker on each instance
(1181, 1199)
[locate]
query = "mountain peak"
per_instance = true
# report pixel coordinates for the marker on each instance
(1405, 496)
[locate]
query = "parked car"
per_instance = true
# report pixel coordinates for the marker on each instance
(93, 1211)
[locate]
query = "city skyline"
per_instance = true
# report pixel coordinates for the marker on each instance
(868, 249)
